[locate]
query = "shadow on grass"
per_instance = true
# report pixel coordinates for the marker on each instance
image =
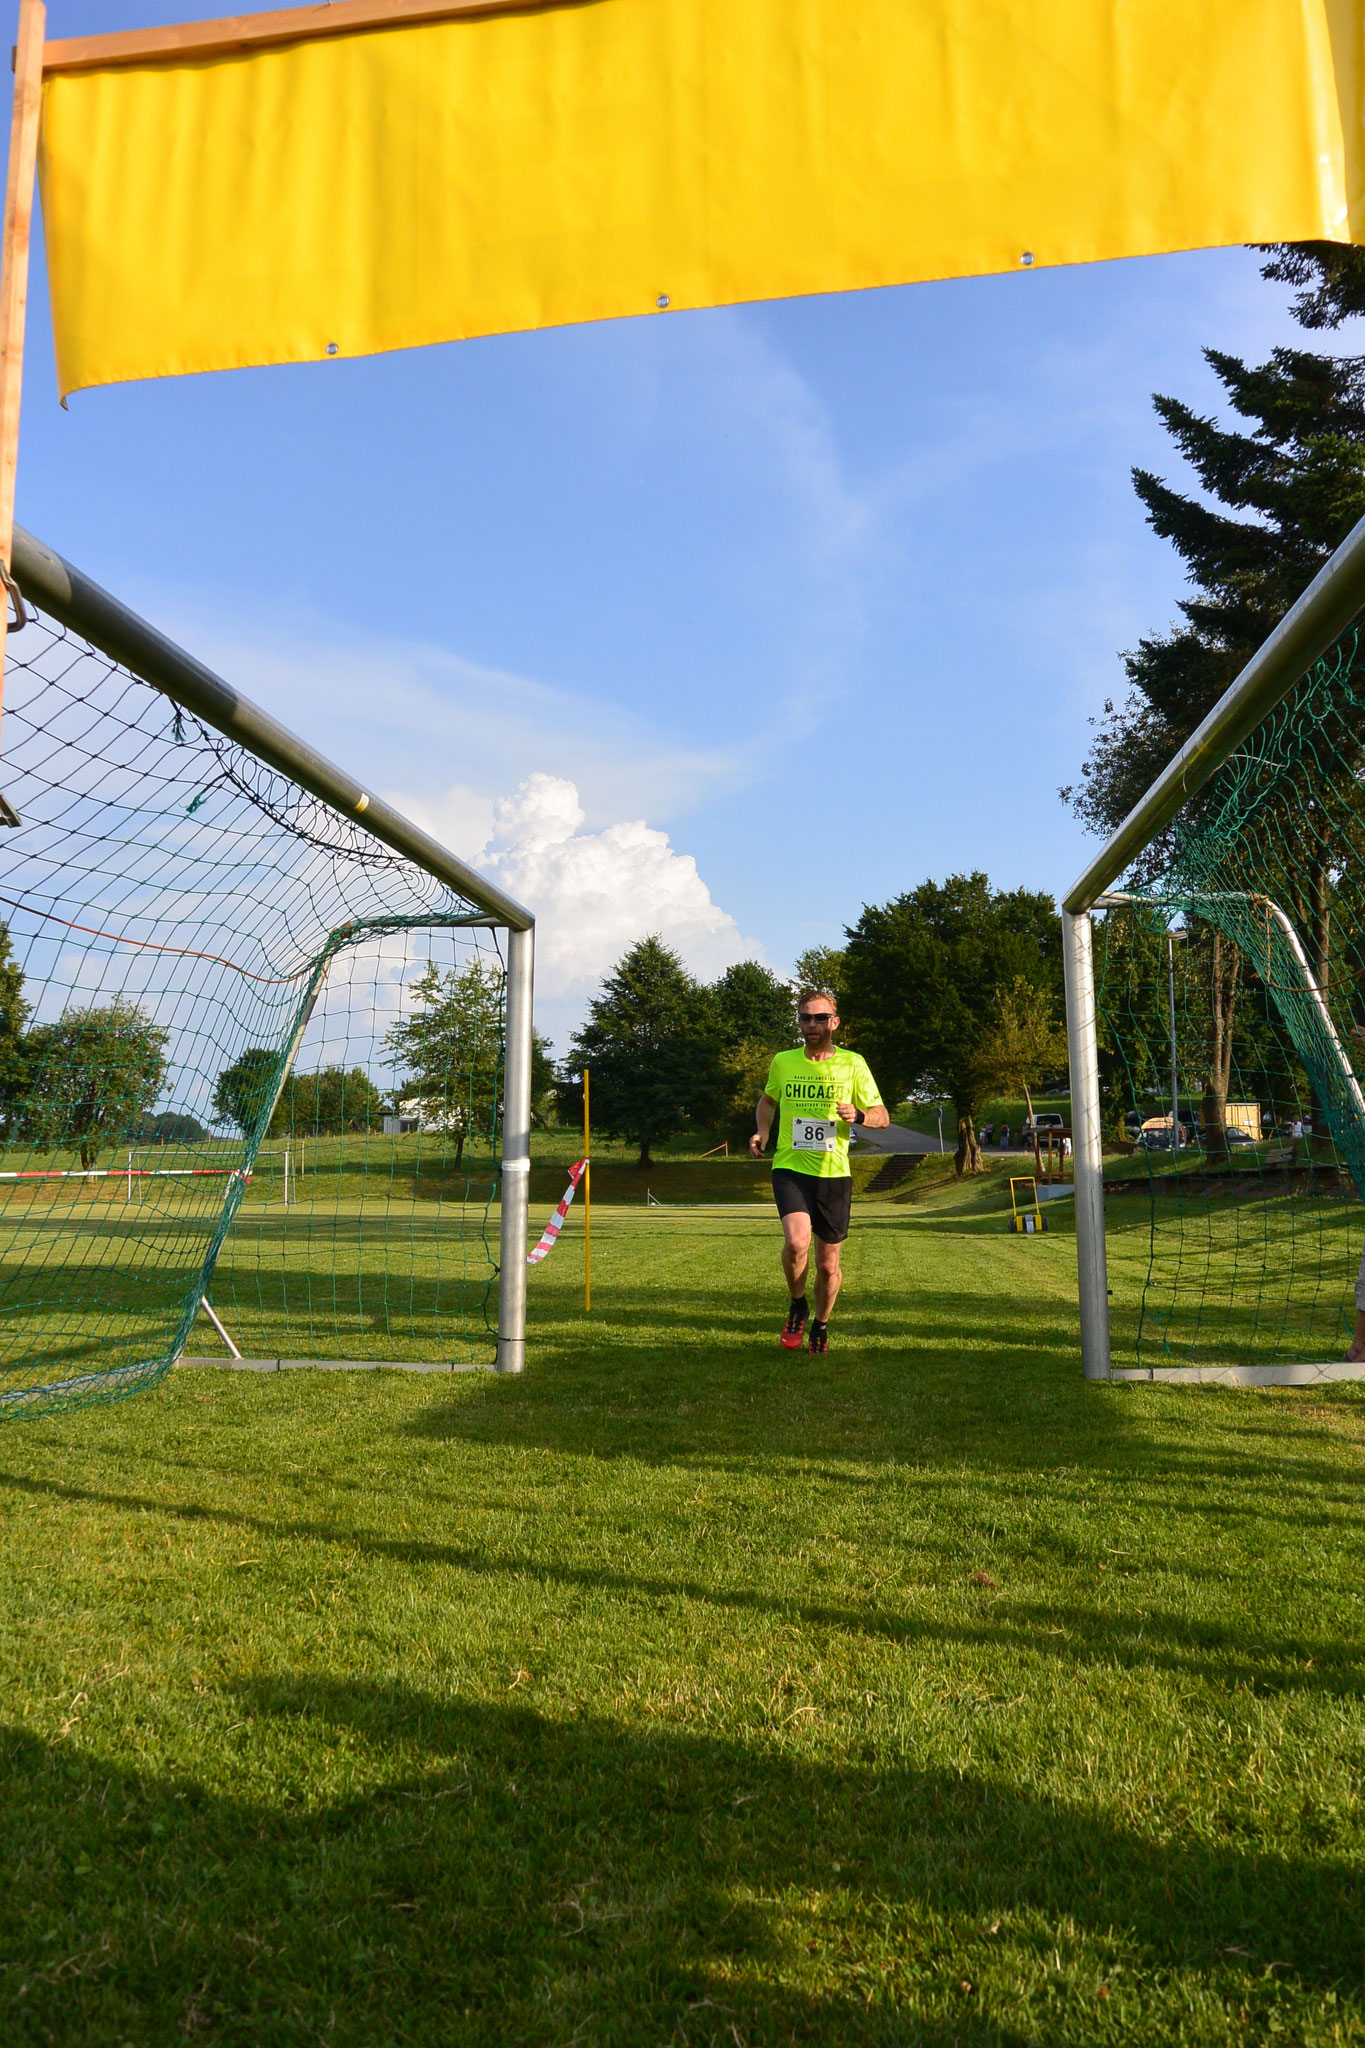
(517, 1878)
(1063, 1632)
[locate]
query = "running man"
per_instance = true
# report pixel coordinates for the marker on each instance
(817, 1090)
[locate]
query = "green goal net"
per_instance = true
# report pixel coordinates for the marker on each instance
(247, 1052)
(1229, 990)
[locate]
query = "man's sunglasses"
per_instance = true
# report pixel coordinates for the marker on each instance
(815, 1016)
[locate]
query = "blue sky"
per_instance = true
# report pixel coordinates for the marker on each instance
(805, 601)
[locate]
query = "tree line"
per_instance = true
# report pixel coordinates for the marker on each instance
(447, 1047)
(952, 989)
(90, 1078)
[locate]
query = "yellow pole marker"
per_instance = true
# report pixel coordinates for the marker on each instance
(587, 1199)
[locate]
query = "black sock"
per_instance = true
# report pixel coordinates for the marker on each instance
(799, 1301)
(816, 1324)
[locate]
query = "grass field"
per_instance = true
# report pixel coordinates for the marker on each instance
(687, 1692)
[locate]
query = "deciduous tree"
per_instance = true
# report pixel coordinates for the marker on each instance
(750, 1002)
(823, 967)
(89, 1077)
(14, 1013)
(1026, 1043)
(925, 975)
(244, 1089)
(327, 1103)
(448, 1047)
(755, 1013)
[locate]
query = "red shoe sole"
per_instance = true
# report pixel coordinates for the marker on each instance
(791, 1343)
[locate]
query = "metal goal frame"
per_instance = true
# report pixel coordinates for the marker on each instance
(74, 600)
(1332, 601)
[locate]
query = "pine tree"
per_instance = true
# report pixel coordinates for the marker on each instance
(1297, 470)
(650, 1045)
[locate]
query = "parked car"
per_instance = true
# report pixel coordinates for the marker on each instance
(1045, 1120)
(1156, 1136)
(1237, 1137)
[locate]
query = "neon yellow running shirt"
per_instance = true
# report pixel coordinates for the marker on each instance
(810, 1138)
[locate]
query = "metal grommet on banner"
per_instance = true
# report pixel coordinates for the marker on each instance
(20, 618)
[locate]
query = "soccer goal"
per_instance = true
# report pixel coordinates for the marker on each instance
(265, 1047)
(1213, 1005)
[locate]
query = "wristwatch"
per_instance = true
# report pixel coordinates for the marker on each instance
(858, 1117)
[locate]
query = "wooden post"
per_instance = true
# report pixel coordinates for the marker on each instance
(587, 1200)
(23, 160)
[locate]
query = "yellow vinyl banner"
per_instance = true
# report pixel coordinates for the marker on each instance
(396, 186)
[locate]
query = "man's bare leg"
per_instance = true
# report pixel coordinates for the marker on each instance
(1357, 1351)
(796, 1253)
(829, 1278)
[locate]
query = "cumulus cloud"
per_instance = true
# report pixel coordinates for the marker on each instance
(594, 893)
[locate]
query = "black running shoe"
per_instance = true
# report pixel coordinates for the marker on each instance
(796, 1323)
(817, 1343)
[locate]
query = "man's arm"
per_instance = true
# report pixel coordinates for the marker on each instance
(875, 1113)
(764, 1112)
(877, 1118)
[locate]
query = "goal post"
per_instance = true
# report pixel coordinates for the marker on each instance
(262, 1039)
(1086, 1143)
(1287, 739)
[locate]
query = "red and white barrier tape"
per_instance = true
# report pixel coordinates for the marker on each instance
(556, 1222)
(128, 1172)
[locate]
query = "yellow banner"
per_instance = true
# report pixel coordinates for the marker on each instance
(393, 187)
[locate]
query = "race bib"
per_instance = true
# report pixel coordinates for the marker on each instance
(813, 1133)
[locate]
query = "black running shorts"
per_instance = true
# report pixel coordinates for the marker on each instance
(826, 1201)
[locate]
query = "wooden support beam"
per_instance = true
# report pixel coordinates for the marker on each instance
(235, 33)
(23, 159)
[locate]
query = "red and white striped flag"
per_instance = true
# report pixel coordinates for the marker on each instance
(556, 1222)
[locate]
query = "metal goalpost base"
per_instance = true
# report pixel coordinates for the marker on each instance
(240, 1364)
(72, 598)
(1332, 600)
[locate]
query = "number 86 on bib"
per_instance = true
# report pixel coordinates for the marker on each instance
(813, 1134)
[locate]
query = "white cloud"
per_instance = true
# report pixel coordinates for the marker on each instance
(390, 709)
(593, 893)
(403, 715)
